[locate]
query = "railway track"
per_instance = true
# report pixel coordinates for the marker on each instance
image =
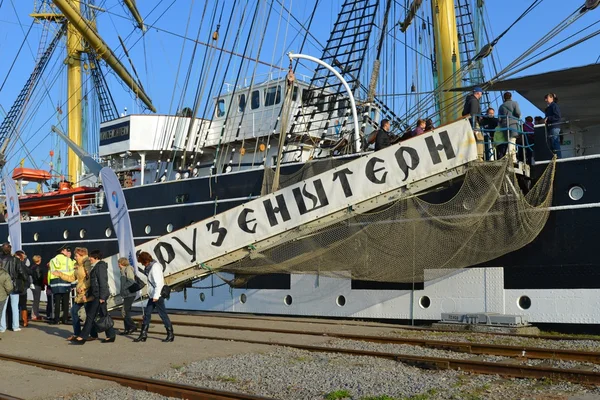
(474, 365)
(459, 347)
(164, 388)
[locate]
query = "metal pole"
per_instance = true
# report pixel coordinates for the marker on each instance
(357, 141)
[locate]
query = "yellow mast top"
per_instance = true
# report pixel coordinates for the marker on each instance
(79, 33)
(447, 58)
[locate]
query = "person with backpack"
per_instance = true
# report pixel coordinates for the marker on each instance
(127, 282)
(157, 291)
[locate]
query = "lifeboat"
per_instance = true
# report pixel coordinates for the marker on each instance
(32, 175)
(56, 203)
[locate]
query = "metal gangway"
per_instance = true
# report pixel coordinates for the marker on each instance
(368, 182)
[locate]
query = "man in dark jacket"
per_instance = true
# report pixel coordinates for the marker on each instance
(473, 109)
(18, 274)
(472, 106)
(489, 123)
(99, 293)
(383, 135)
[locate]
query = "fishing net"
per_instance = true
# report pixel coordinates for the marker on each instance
(413, 239)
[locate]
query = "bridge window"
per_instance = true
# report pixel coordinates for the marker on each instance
(220, 108)
(305, 96)
(320, 103)
(295, 93)
(342, 105)
(241, 103)
(272, 95)
(255, 100)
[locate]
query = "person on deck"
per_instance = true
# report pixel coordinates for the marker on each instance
(156, 281)
(473, 109)
(61, 288)
(528, 139)
(489, 124)
(509, 114)
(420, 129)
(383, 135)
(552, 122)
(429, 125)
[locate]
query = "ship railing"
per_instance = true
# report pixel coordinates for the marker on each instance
(510, 133)
(81, 202)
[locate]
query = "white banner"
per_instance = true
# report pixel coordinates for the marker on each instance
(380, 172)
(118, 214)
(14, 213)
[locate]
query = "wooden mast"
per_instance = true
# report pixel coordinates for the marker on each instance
(74, 93)
(447, 58)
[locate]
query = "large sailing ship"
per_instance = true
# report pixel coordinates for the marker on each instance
(475, 237)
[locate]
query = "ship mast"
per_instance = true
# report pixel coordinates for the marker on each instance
(447, 58)
(74, 90)
(81, 37)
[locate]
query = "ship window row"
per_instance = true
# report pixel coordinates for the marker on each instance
(107, 232)
(271, 95)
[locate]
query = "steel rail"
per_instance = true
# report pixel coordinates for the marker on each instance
(471, 365)
(164, 388)
(317, 321)
(461, 347)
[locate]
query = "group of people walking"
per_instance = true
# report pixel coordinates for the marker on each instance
(91, 292)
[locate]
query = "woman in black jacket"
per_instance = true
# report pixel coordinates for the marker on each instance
(97, 305)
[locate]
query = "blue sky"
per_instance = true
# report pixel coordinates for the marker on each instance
(157, 55)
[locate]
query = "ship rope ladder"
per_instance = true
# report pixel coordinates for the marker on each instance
(345, 50)
(15, 113)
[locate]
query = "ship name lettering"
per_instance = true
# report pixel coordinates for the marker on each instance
(243, 221)
(190, 250)
(273, 211)
(342, 175)
(160, 256)
(413, 161)
(370, 171)
(214, 227)
(435, 149)
(318, 200)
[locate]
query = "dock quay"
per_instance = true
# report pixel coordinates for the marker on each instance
(221, 356)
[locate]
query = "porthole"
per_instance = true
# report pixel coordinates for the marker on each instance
(524, 302)
(108, 232)
(288, 300)
(202, 297)
(424, 302)
(340, 301)
(82, 233)
(147, 229)
(243, 298)
(169, 228)
(66, 234)
(36, 237)
(576, 192)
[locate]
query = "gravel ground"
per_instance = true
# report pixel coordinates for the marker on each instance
(293, 374)
(116, 394)
(586, 345)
